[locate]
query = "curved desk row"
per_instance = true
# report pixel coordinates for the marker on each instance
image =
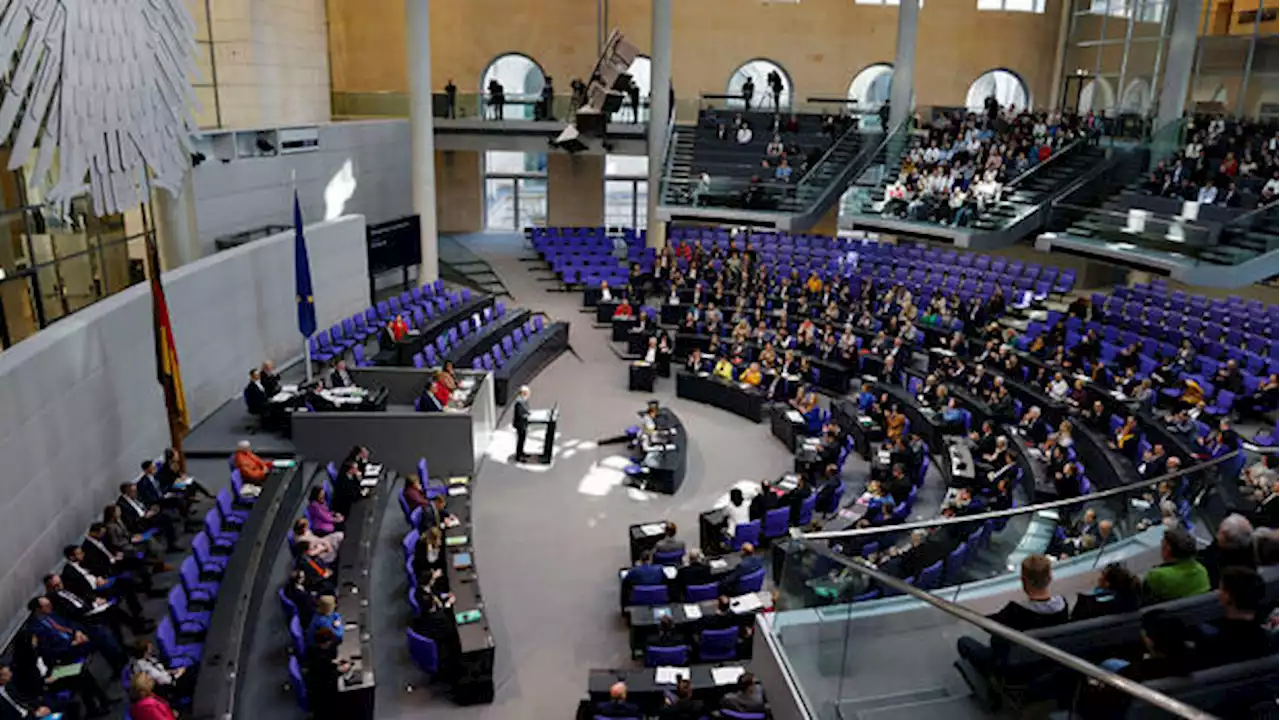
(738, 398)
(528, 361)
(474, 681)
(665, 469)
(486, 337)
(408, 346)
(246, 582)
(833, 375)
(710, 683)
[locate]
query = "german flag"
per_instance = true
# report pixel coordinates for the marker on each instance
(167, 372)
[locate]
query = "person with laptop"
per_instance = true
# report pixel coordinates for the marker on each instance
(14, 706)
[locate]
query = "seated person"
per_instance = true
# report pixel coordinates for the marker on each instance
(617, 706)
(317, 579)
(1117, 591)
(255, 394)
(1040, 609)
(17, 705)
(752, 376)
(295, 589)
(1236, 636)
(429, 399)
(645, 572)
(952, 418)
(326, 616)
(439, 623)
(682, 706)
(738, 511)
(174, 684)
(414, 494)
(746, 566)
(669, 543)
(747, 697)
(695, 363)
(623, 311)
(253, 469)
(724, 369)
(324, 548)
(1181, 574)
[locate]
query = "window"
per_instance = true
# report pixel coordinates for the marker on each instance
(759, 72)
(881, 2)
(1006, 87)
(515, 190)
(1137, 96)
(870, 88)
(1097, 95)
(626, 190)
(521, 79)
(1145, 10)
(1034, 6)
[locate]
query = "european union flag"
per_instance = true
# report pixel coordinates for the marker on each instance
(302, 275)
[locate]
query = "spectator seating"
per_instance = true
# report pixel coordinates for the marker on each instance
(588, 255)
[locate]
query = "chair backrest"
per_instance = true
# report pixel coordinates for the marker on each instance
(807, 506)
(677, 655)
(177, 603)
(735, 715)
(748, 532)
(751, 582)
(670, 557)
(423, 650)
(200, 548)
(166, 639)
(649, 595)
(776, 522)
(295, 633)
(722, 639)
(699, 593)
(288, 606)
(299, 684)
(410, 542)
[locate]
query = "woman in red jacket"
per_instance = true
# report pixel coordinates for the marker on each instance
(145, 704)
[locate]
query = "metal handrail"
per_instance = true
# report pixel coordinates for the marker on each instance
(1084, 667)
(1021, 510)
(1247, 218)
(853, 129)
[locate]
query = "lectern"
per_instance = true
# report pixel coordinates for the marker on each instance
(547, 418)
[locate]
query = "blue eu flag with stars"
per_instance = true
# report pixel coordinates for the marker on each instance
(302, 275)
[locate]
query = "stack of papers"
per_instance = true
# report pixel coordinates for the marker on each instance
(457, 490)
(726, 675)
(459, 480)
(794, 416)
(666, 675)
(746, 603)
(693, 611)
(717, 564)
(669, 572)
(652, 529)
(372, 469)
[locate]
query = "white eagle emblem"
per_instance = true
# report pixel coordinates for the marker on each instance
(105, 84)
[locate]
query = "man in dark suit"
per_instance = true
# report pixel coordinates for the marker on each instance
(16, 707)
(521, 421)
(270, 378)
(796, 498)
(92, 610)
(749, 564)
(617, 705)
(669, 543)
(763, 502)
(697, 572)
(81, 581)
(255, 395)
(317, 579)
(105, 562)
(140, 517)
(339, 377)
(747, 698)
(433, 514)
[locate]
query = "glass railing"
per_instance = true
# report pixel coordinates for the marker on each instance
(1165, 141)
(480, 106)
(855, 631)
(1148, 230)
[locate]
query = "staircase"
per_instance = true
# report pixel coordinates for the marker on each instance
(1037, 186)
(1248, 237)
(680, 178)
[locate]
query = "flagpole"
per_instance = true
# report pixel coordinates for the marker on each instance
(149, 233)
(306, 344)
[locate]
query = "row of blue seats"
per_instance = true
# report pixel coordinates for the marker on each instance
(433, 355)
(416, 306)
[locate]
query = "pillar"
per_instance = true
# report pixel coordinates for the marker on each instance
(177, 234)
(422, 132)
(575, 190)
(903, 86)
(1180, 59)
(659, 113)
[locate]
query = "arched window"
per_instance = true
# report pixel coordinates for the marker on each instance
(759, 72)
(1006, 87)
(870, 88)
(1097, 95)
(1137, 96)
(521, 79)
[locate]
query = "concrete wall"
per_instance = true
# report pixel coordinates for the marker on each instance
(272, 61)
(459, 191)
(822, 44)
(250, 193)
(79, 402)
(575, 190)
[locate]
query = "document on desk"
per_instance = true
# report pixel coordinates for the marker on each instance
(459, 480)
(457, 490)
(726, 675)
(669, 572)
(718, 564)
(368, 482)
(652, 529)
(693, 611)
(746, 603)
(540, 416)
(372, 469)
(794, 416)
(667, 675)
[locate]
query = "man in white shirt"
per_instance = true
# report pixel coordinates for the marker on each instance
(1058, 387)
(13, 706)
(84, 583)
(1208, 193)
(738, 511)
(744, 134)
(606, 295)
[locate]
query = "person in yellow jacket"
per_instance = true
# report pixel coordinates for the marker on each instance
(724, 369)
(751, 375)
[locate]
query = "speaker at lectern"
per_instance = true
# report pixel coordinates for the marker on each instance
(547, 418)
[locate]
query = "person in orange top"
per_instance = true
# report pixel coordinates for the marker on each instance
(752, 375)
(253, 469)
(814, 285)
(623, 310)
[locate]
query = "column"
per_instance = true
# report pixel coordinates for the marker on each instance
(1179, 61)
(903, 86)
(422, 131)
(659, 113)
(575, 190)
(177, 234)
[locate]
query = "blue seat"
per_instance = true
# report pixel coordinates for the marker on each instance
(286, 605)
(206, 561)
(748, 532)
(930, 577)
(751, 582)
(187, 621)
(176, 654)
(295, 635)
(955, 563)
(677, 655)
(199, 591)
(409, 542)
(671, 557)
(299, 685)
(718, 645)
(776, 522)
(807, 506)
(699, 593)
(735, 715)
(424, 652)
(649, 595)
(220, 539)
